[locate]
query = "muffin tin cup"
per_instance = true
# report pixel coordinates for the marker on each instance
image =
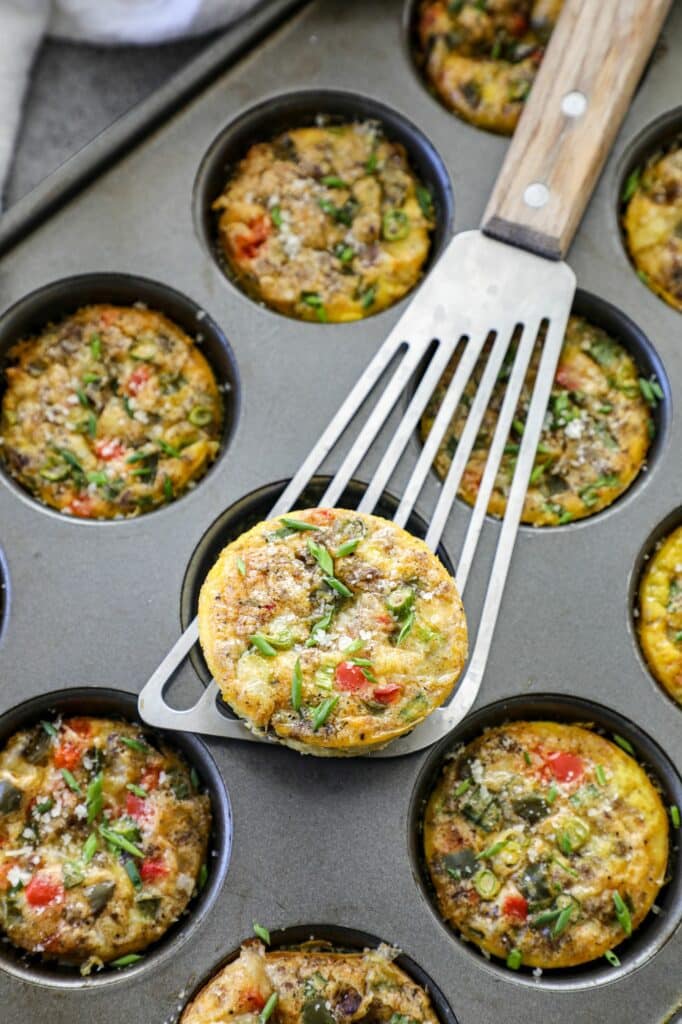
(116, 704)
(59, 299)
(280, 113)
(656, 929)
(344, 940)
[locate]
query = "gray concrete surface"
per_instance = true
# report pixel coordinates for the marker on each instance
(77, 91)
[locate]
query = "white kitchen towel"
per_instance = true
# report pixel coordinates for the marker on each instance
(23, 23)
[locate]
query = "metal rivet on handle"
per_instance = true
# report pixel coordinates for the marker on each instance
(574, 104)
(536, 195)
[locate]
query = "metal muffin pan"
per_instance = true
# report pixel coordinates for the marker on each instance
(116, 704)
(319, 840)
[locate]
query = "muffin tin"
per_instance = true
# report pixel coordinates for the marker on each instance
(98, 605)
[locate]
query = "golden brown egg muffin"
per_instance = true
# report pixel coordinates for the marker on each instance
(109, 413)
(481, 56)
(313, 987)
(594, 441)
(326, 223)
(546, 844)
(660, 614)
(652, 221)
(331, 630)
(103, 840)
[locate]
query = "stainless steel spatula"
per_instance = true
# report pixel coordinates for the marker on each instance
(506, 280)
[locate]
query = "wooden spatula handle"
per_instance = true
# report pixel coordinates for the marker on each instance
(594, 60)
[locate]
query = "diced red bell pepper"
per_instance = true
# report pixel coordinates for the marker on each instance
(515, 905)
(249, 241)
(517, 24)
(251, 1001)
(109, 316)
(388, 693)
(137, 379)
(42, 889)
(320, 515)
(150, 778)
(153, 868)
(350, 678)
(565, 767)
(81, 726)
(82, 506)
(136, 806)
(68, 755)
(109, 448)
(567, 377)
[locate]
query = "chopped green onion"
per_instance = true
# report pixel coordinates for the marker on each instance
(612, 958)
(490, 851)
(406, 627)
(297, 525)
(241, 568)
(394, 226)
(261, 932)
(348, 548)
(134, 744)
(675, 815)
(624, 744)
(314, 300)
(116, 839)
(126, 961)
(515, 959)
(296, 686)
(631, 184)
(622, 913)
(552, 794)
(322, 557)
(368, 296)
(96, 346)
(168, 492)
(463, 787)
(527, 758)
(600, 774)
(371, 164)
(94, 798)
(200, 416)
(323, 711)
(83, 398)
(546, 917)
(355, 646)
(276, 216)
(202, 878)
(70, 781)
(89, 848)
(333, 181)
(168, 449)
(321, 626)
(45, 806)
(344, 253)
(49, 729)
(91, 378)
(338, 586)
(133, 874)
(262, 645)
(563, 920)
(486, 884)
(266, 1012)
(137, 790)
(425, 200)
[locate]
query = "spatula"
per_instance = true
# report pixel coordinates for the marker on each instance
(506, 280)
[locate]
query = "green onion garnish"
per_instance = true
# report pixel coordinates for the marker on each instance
(601, 775)
(137, 790)
(323, 711)
(276, 216)
(462, 787)
(321, 626)
(133, 874)
(348, 548)
(116, 839)
(94, 798)
(296, 688)
(49, 729)
(338, 586)
(70, 781)
(266, 1012)
(675, 815)
(552, 794)
(624, 744)
(546, 917)
(241, 567)
(527, 757)
(262, 645)
(126, 961)
(563, 921)
(612, 958)
(89, 848)
(96, 346)
(202, 878)
(406, 627)
(168, 492)
(622, 913)
(168, 449)
(515, 959)
(322, 557)
(297, 524)
(134, 744)
(631, 184)
(490, 851)
(333, 181)
(261, 932)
